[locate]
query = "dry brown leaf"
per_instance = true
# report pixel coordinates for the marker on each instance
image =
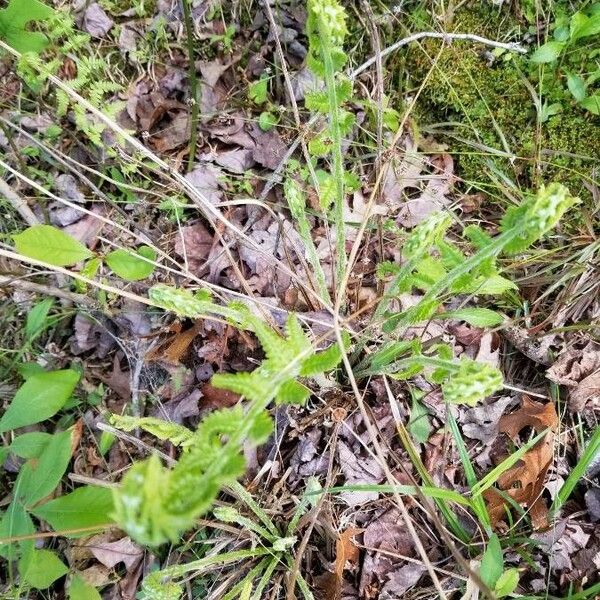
(536, 415)
(123, 550)
(218, 398)
(205, 178)
(96, 22)
(579, 370)
(524, 482)
(179, 345)
(346, 551)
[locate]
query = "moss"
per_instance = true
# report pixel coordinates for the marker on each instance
(490, 103)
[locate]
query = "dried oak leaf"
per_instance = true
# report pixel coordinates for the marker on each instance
(524, 483)
(579, 370)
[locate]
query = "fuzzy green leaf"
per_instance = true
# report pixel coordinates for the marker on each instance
(163, 430)
(536, 216)
(472, 382)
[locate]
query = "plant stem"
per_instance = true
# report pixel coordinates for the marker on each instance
(336, 153)
(194, 96)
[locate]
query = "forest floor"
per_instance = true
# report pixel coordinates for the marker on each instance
(142, 147)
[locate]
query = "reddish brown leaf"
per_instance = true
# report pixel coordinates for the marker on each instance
(536, 415)
(346, 551)
(217, 398)
(524, 482)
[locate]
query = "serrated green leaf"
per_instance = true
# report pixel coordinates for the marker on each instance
(292, 392)
(86, 507)
(547, 53)
(51, 245)
(478, 317)
(321, 362)
(38, 478)
(129, 266)
(39, 398)
(494, 286)
(41, 568)
(163, 430)
(81, 590)
(492, 563)
(30, 445)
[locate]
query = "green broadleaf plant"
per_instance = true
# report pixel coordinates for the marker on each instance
(39, 398)
(451, 272)
(326, 29)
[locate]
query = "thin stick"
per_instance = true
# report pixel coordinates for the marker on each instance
(46, 290)
(194, 100)
(447, 37)
(18, 203)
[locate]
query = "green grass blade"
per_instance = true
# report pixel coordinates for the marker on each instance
(578, 472)
(478, 503)
(407, 490)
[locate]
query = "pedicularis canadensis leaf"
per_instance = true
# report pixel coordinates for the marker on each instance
(472, 382)
(537, 216)
(155, 504)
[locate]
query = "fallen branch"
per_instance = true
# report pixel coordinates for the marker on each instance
(446, 37)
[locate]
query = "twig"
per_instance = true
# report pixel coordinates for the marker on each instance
(46, 290)
(133, 440)
(194, 100)
(447, 37)
(18, 203)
